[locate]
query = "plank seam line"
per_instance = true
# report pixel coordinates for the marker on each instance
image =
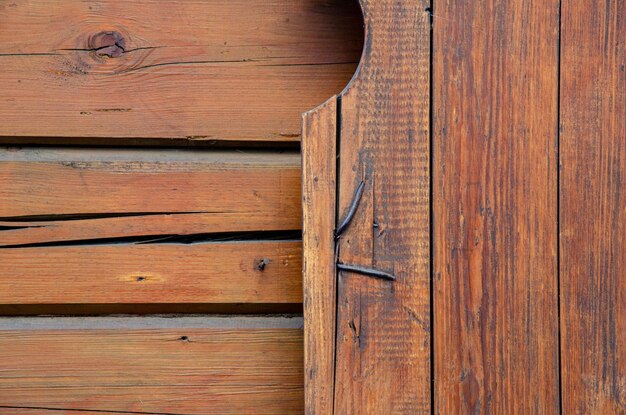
(336, 248)
(430, 10)
(558, 207)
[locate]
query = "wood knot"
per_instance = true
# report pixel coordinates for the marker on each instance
(108, 43)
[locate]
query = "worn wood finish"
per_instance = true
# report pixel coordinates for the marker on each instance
(593, 207)
(383, 327)
(194, 70)
(156, 365)
(495, 182)
(64, 195)
(229, 272)
(319, 140)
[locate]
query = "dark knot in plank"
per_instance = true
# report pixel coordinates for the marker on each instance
(107, 43)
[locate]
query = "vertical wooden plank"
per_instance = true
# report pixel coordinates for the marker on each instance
(383, 327)
(495, 206)
(319, 130)
(593, 206)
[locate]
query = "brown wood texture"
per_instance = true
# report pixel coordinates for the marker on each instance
(593, 207)
(319, 141)
(157, 365)
(383, 327)
(192, 70)
(495, 207)
(64, 195)
(106, 226)
(228, 272)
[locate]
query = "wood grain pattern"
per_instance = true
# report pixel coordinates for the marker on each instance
(593, 207)
(153, 273)
(192, 70)
(319, 141)
(383, 327)
(61, 195)
(495, 207)
(198, 368)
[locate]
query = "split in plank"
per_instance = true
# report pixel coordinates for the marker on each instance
(61, 195)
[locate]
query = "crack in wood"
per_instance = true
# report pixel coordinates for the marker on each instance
(102, 411)
(54, 217)
(218, 237)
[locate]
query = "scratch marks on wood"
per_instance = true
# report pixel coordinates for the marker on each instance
(370, 272)
(358, 194)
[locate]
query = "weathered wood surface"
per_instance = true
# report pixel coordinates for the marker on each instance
(63, 195)
(319, 151)
(383, 327)
(593, 207)
(495, 207)
(227, 272)
(107, 226)
(192, 69)
(192, 365)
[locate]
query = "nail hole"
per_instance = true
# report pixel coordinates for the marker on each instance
(263, 263)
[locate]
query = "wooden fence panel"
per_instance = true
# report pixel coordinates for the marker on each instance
(495, 207)
(383, 326)
(593, 207)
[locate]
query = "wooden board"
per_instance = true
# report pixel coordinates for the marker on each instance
(593, 207)
(319, 150)
(106, 226)
(192, 69)
(383, 327)
(63, 195)
(495, 207)
(195, 365)
(228, 272)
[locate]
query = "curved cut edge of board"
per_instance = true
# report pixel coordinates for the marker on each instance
(379, 120)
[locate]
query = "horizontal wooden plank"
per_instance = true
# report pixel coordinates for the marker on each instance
(229, 272)
(56, 195)
(195, 365)
(190, 69)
